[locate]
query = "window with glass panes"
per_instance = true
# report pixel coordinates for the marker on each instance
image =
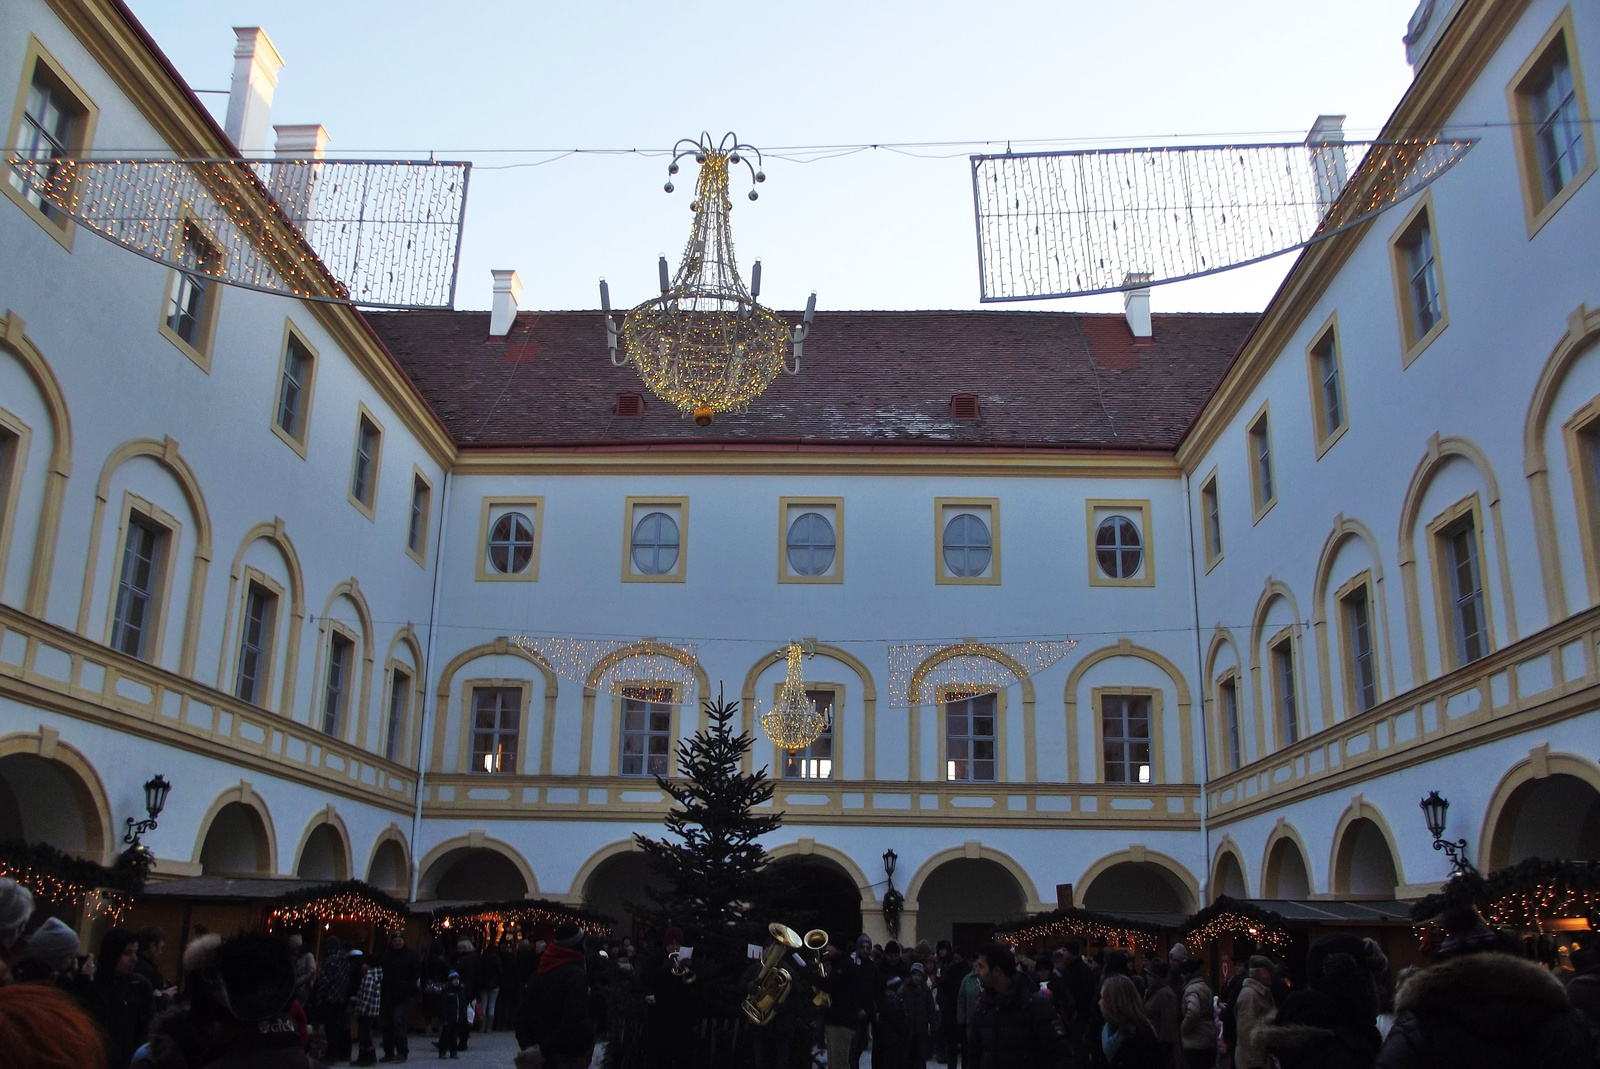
(1557, 125)
(655, 544)
(133, 619)
(1125, 737)
(1261, 460)
(969, 738)
(361, 475)
(417, 529)
(1228, 698)
(496, 723)
(1326, 357)
(292, 390)
(1283, 682)
(46, 132)
(814, 761)
(511, 544)
(1466, 591)
(255, 643)
(967, 546)
(1117, 547)
(1212, 508)
(810, 545)
(1358, 629)
(399, 699)
(646, 732)
(186, 308)
(336, 687)
(1422, 276)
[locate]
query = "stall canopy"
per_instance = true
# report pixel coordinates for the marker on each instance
(493, 921)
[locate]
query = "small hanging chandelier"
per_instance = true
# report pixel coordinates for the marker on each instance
(794, 722)
(705, 345)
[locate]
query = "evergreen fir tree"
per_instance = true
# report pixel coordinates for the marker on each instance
(715, 874)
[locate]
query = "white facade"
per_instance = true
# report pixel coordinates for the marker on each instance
(104, 413)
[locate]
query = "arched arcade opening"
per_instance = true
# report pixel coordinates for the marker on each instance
(1557, 816)
(473, 874)
(620, 887)
(45, 800)
(964, 898)
(1137, 887)
(236, 843)
(1363, 864)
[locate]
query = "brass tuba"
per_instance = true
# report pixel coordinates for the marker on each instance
(773, 981)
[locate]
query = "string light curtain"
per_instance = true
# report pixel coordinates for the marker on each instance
(493, 921)
(919, 672)
(603, 663)
(1065, 224)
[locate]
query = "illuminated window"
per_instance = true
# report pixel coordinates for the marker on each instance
(814, 761)
(496, 727)
(969, 739)
(1125, 737)
(646, 732)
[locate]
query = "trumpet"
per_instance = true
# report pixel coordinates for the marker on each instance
(815, 940)
(680, 970)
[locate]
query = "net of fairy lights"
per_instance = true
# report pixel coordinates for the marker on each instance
(489, 922)
(59, 879)
(794, 721)
(382, 234)
(348, 900)
(920, 672)
(1061, 924)
(666, 669)
(704, 345)
(1227, 918)
(1064, 224)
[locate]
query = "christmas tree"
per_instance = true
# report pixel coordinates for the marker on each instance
(715, 873)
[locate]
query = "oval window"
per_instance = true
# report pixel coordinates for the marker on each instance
(511, 544)
(655, 544)
(1118, 548)
(967, 547)
(811, 544)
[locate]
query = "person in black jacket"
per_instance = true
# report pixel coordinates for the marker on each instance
(490, 975)
(452, 1015)
(1011, 1027)
(839, 1014)
(556, 1014)
(402, 978)
(948, 990)
(1332, 1022)
(863, 972)
(122, 998)
(467, 962)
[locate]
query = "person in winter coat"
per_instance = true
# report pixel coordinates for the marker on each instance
(452, 1015)
(1010, 1027)
(367, 1006)
(152, 943)
(1196, 1030)
(951, 977)
(1480, 1006)
(918, 997)
(402, 979)
(1333, 1022)
(891, 1035)
(1252, 1012)
(1583, 990)
(1161, 1006)
(330, 1000)
(839, 1015)
(1127, 1038)
(122, 998)
(490, 970)
(556, 1013)
(862, 969)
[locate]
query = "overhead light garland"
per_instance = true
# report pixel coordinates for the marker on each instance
(794, 722)
(603, 663)
(57, 878)
(919, 672)
(704, 345)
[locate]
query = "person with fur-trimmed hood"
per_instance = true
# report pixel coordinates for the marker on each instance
(1333, 1022)
(239, 1014)
(1482, 1005)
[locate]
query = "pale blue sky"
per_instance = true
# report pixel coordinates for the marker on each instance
(869, 230)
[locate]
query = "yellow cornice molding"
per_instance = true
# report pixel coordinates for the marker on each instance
(717, 460)
(1460, 56)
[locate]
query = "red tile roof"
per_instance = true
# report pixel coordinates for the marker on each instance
(1053, 379)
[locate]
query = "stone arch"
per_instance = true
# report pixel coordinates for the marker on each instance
(1583, 330)
(974, 849)
(1272, 590)
(258, 822)
(631, 882)
(1222, 638)
(1438, 452)
(165, 453)
(500, 647)
(1124, 647)
(869, 699)
(14, 339)
(1227, 864)
(1178, 879)
(1285, 845)
(1361, 832)
(274, 534)
(1344, 529)
(349, 590)
(391, 841)
(812, 848)
(438, 862)
(339, 846)
(1516, 789)
(78, 780)
(591, 684)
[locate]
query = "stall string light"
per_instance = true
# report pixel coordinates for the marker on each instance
(496, 920)
(1085, 925)
(351, 901)
(57, 878)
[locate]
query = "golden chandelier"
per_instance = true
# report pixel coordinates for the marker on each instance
(795, 721)
(704, 345)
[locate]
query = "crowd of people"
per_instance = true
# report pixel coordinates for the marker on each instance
(260, 1001)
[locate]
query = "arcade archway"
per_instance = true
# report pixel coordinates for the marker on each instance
(964, 898)
(1137, 887)
(1557, 816)
(236, 843)
(45, 800)
(473, 874)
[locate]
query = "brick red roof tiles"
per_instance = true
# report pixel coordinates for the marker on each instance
(1051, 379)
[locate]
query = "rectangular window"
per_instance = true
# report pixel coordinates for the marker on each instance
(10, 452)
(49, 127)
(1211, 516)
(496, 723)
(1228, 698)
(1557, 126)
(1262, 490)
(399, 702)
(1125, 737)
(646, 732)
(1422, 277)
(1356, 607)
(188, 302)
(336, 689)
(1466, 591)
(133, 622)
(1327, 387)
(814, 761)
(255, 644)
(294, 389)
(364, 470)
(1554, 137)
(417, 528)
(969, 739)
(1283, 680)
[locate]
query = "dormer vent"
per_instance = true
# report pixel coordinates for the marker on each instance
(629, 406)
(964, 406)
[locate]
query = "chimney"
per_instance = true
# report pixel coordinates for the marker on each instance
(255, 79)
(1327, 162)
(503, 313)
(295, 184)
(1136, 302)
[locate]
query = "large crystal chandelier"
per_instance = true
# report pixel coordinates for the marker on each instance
(795, 721)
(705, 345)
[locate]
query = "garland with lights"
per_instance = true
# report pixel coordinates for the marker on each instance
(1072, 922)
(347, 900)
(1232, 917)
(493, 920)
(57, 878)
(1522, 895)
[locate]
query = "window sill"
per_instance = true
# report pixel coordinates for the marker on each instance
(202, 360)
(1327, 442)
(1422, 343)
(62, 231)
(297, 444)
(1537, 219)
(1265, 508)
(369, 511)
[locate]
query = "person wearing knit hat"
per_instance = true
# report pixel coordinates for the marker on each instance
(55, 944)
(16, 906)
(570, 934)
